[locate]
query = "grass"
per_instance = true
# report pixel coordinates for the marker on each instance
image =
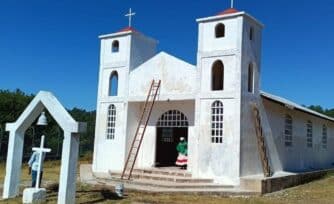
(319, 192)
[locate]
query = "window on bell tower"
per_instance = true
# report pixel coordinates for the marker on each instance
(251, 33)
(115, 46)
(220, 30)
(111, 121)
(251, 78)
(113, 84)
(217, 122)
(217, 78)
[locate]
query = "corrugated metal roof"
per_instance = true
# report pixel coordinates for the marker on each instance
(293, 105)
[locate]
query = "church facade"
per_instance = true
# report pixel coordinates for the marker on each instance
(210, 104)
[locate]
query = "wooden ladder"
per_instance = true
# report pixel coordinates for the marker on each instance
(138, 138)
(261, 143)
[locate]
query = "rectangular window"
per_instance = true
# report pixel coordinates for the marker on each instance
(111, 120)
(217, 122)
(309, 134)
(288, 131)
(324, 137)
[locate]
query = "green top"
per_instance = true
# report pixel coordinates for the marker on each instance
(182, 148)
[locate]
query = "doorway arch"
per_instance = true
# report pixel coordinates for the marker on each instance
(171, 125)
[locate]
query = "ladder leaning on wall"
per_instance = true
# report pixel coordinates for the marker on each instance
(261, 143)
(139, 135)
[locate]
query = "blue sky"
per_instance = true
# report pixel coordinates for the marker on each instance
(53, 45)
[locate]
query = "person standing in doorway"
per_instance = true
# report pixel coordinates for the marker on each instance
(33, 168)
(182, 149)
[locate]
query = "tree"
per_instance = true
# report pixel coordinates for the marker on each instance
(319, 109)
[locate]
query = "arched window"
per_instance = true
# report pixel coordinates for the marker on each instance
(111, 120)
(324, 137)
(217, 119)
(113, 84)
(309, 134)
(173, 118)
(251, 78)
(288, 131)
(251, 33)
(220, 30)
(217, 77)
(115, 46)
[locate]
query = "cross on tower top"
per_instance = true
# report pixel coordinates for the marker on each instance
(130, 14)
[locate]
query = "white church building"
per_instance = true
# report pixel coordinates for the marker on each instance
(210, 104)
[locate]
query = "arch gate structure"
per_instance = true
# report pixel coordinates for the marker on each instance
(72, 129)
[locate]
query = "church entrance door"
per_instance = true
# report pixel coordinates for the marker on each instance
(170, 127)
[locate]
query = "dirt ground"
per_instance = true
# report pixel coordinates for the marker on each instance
(317, 192)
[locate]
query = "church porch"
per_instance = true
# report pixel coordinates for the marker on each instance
(169, 121)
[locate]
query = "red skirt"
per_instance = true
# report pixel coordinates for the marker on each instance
(181, 160)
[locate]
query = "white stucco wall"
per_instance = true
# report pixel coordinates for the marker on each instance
(178, 78)
(219, 161)
(250, 163)
(142, 49)
(230, 41)
(110, 154)
(299, 157)
(115, 59)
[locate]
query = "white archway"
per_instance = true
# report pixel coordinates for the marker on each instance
(72, 129)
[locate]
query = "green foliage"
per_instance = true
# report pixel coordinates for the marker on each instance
(12, 104)
(319, 109)
(86, 139)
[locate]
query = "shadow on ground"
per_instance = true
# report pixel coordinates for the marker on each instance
(85, 196)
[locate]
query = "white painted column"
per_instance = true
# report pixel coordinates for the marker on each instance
(13, 165)
(68, 177)
(194, 140)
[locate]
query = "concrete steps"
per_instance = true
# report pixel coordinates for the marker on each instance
(161, 175)
(183, 173)
(150, 186)
(160, 180)
(165, 184)
(168, 179)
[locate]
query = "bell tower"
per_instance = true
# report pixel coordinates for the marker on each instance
(228, 62)
(121, 53)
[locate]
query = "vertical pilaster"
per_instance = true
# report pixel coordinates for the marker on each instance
(13, 165)
(67, 182)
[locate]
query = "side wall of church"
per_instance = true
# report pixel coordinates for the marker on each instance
(298, 156)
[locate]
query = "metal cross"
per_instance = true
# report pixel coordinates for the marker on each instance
(40, 150)
(130, 14)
